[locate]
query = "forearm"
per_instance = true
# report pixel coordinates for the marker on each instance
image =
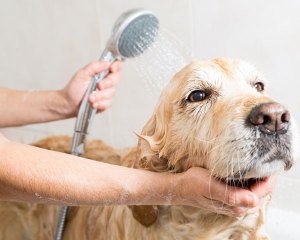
(25, 107)
(53, 177)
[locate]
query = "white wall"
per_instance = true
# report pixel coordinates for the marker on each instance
(43, 43)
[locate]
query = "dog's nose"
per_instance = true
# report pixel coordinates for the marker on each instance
(270, 118)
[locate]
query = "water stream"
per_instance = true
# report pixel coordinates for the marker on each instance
(156, 66)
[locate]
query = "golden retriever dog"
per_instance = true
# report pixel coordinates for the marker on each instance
(212, 114)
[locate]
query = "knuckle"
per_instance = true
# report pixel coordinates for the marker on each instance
(95, 65)
(81, 72)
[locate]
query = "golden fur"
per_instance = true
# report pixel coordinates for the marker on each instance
(178, 136)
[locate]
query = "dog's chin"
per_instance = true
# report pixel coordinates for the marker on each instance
(258, 175)
(269, 161)
(247, 183)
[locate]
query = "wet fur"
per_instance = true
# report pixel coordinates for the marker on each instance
(178, 136)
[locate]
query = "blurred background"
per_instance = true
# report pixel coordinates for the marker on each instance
(43, 43)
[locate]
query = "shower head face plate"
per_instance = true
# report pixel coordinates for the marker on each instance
(133, 33)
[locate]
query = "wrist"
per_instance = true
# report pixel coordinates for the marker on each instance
(186, 187)
(150, 188)
(167, 187)
(66, 106)
(177, 186)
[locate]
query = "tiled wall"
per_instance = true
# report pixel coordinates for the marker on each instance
(43, 43)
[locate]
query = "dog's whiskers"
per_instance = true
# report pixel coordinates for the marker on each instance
(218, 209)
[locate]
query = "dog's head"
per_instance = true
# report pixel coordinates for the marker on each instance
(216, 114)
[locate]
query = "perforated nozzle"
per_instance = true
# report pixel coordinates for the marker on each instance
(134, 31)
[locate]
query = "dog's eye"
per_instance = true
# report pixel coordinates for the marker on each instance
(197, 96)
(259, 86)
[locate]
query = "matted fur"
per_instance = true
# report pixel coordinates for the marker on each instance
(180, 134)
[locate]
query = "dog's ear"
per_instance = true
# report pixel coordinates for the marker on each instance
(145, 215)
(150, 156)
(153, 139)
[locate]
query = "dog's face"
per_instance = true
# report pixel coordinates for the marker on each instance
(216, 114)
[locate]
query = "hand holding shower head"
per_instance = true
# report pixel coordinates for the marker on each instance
(133, 32)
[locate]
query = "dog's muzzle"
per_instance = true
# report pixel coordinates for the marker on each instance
(272, 121)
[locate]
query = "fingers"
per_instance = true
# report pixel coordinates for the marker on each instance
(102, 105)
(199, 188)
(110, 81)
(265, 187)
(116, 67)
(238, 203)
(94, 68)
(217, 190)
(102, 100)
(218, 196)
(230, 201)
(231, 211)
(75, 90)
(257, 195)
(237, 197)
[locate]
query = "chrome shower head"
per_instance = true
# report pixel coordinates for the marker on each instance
(133, 32)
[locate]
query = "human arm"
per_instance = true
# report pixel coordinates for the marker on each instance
(32, 174)
(26, 107)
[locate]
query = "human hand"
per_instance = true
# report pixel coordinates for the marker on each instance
(264, 189)
(77, 86)
(199, 189)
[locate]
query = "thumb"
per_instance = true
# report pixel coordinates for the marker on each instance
(95, 67)
(232, 196)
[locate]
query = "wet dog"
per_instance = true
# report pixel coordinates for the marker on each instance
(212, 114)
